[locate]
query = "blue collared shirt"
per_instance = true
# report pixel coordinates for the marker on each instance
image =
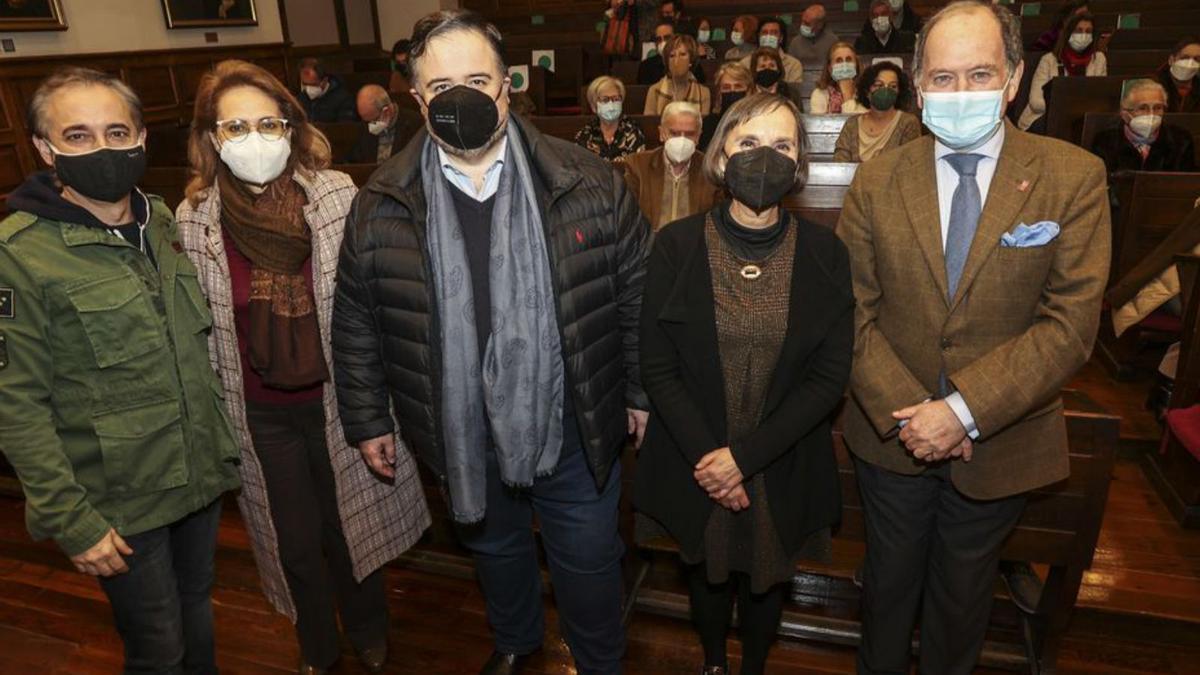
(460, 180)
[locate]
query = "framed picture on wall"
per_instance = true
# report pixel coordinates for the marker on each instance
(208, 13)
(31, 15)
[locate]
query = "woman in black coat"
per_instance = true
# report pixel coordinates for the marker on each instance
(747, 333)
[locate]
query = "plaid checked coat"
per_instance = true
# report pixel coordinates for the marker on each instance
(380, 520)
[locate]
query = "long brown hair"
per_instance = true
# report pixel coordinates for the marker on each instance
(310, 149)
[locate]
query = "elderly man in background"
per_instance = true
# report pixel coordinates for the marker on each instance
(389, 127)
(979, 256)
(811, 46)
(1141, 141)
(668, 181)
(880, 34)
(323, 95)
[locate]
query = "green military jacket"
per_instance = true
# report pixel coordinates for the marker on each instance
(110, 411)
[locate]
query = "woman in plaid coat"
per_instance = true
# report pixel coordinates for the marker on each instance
(263, 223)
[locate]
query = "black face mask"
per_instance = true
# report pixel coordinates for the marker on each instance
(730, 97)
(464, 117)
(105, 175)
(398, 67)
(767, 78)
(760, 178)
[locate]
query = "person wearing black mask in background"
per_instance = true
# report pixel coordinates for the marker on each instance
(455, 287)
(747, 333)
(733, 83)
(399, 84)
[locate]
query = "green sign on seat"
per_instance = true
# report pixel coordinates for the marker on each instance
(537, 19)
(718, 35)
(1129, 21)
(1031, 9)
(850, 6)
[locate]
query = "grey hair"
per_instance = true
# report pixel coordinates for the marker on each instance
(738, 114)
(440, 23)
(593, 90)
(74, 76)
(1138, 85)
(1010, 32)
(681, 108)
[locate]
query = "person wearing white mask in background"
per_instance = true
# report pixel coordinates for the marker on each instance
(669, 181)
(979, 256)
(389, 126)
(811, 46)
(1140, 141)
(1178, 76)
(903, 17)
(772, 34)
(323, 95)
(743, 35)
(611, 134)
(880, 35)
(704, 39)
(263, 224)
(836, 92)
(1074, 55)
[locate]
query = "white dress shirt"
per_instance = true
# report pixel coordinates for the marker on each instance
(947, 182)
(460, 180)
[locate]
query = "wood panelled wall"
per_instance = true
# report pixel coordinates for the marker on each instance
(165, 80)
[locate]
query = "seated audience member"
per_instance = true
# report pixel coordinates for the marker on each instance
(1075, 55)
(879, 34)
(324, 97)
(768, 72)
(904, 18)
(679, 84)
(389, 127)
(1178, 77)
(811, 46)
(611, 135)
(654, 69)
(704, 40)
(108, 412)
(739, 466)
(1141, 142)
(743, 36)
(733, 83)
(835, 93)
(1047, 40)
(620, 29)
(885, 91)
(772, 34)
(399, 83)
(669, 181)
(672, 10)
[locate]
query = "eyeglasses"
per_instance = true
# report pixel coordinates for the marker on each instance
(236, 130)
(610, 99)
(1148, 109)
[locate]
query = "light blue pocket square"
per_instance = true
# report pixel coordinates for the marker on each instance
(1028, 236)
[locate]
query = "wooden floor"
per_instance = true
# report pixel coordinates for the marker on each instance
(1139, 607)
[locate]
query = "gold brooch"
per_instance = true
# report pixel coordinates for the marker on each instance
(751, 272)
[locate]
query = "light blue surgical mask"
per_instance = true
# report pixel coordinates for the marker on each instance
(609, 111)
(703, 35)
(807, 31)
(843, 71)
(963, 119)
(771, 41)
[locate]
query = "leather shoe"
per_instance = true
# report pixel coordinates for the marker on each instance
(306, 669)
(504, 664)
(373, 658)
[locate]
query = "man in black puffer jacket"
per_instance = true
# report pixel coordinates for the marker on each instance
(489, 292)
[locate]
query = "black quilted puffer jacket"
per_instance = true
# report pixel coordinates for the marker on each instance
(386, 327)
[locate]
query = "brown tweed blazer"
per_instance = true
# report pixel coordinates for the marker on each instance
(1022, 322)
(380, 520)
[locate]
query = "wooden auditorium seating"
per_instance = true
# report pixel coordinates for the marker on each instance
(1095, 122)
(1175, 468)
(1073, 97)
(1147, 206)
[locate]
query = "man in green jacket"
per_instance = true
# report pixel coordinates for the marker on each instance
(110, 411)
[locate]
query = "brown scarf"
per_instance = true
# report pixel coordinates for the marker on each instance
(269, 229)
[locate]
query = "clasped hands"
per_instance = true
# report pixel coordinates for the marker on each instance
(932, 432)
(721, 478)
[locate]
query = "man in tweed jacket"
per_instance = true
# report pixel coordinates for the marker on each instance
(964, 337)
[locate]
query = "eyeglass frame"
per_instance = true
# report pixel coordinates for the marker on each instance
(219, 129)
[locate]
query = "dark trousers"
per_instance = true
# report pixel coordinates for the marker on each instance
(290, 444)
(163, 605)
(583, 550)
(928, 546)
(712, 613)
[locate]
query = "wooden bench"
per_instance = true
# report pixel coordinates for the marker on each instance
(1130, 63)
(821, 199)
(166, 145)
(567, 77)
(342, 136)
(822, 132)
(1095, 122)
(1073, 97)
(1162, 37)
(1147, 206)
(1059, 528)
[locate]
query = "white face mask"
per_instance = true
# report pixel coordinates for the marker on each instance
(609, 111)
(770, 41)
(703, 35)
(882, 25)
(255, 159)
(314, 91)
(807, 31)
(896, 4)
(736, 38)
(1184, 69)
(843, 71)
(378, 126)
(679, 149)
(1080, 41)
(1145, 126)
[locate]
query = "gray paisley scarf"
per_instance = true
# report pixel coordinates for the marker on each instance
(517, 392)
